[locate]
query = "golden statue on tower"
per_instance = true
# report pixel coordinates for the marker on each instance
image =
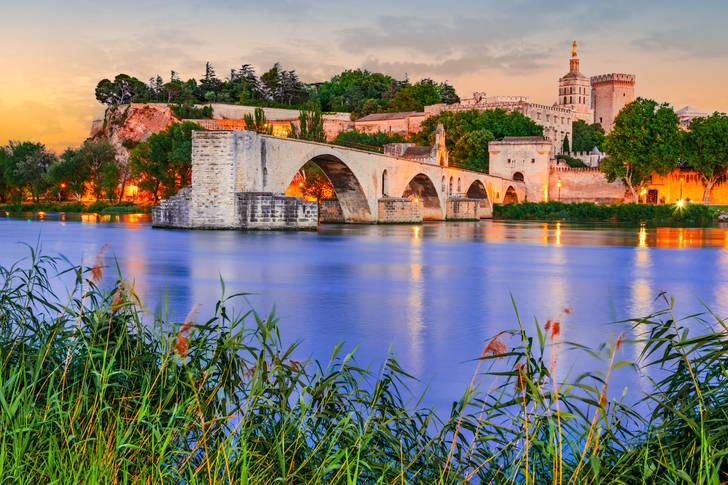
(573, 49)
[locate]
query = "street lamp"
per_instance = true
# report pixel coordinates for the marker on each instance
(558, 184)
(681, 182)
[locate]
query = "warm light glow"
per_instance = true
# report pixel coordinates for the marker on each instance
(63, 185)
(300, 184)
(558, 234)
(643, 192)
(558, 184)
(41, 213)
(643, 237)
(416, 232)
(680, 203)
(416, 200)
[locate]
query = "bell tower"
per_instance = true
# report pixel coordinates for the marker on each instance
(575, 90)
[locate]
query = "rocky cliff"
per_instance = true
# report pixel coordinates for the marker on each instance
(127, 125)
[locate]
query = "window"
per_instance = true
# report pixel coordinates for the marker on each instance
(533, 160)
(518, 176)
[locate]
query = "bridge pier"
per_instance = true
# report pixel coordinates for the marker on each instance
(398, 210)
(463, 209)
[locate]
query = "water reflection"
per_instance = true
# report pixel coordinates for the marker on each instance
(435, 293)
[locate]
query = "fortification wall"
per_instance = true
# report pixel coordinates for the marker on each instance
(584, 185)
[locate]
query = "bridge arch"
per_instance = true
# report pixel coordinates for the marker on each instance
(422, 188)
(477, 191)
(510, 197)
(347, 188)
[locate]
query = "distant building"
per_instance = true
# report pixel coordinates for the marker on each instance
(402, 123)
(435, 155)
(688, 114)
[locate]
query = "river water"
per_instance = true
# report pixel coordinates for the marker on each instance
(433, 293)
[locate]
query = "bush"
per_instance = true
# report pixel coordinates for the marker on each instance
(628, 212)
(571, 161)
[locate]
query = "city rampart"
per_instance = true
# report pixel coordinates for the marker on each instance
(584, 185)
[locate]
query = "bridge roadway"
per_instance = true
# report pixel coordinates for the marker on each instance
(227, 163)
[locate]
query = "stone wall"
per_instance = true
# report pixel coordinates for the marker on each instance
(330, 211)
(584, 185)
(394, 210)
(462, 209)
(610, 92)
(175, 211)
(265, 210)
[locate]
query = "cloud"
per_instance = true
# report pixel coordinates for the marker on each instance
(699, 44)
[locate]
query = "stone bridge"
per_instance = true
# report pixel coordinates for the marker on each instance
(239, 178)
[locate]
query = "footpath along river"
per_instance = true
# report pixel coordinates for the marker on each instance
(435, 293)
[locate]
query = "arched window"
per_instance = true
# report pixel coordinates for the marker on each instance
(449, 192)
(444, 186)
(385, 184)
(518, 176)
(459, 186)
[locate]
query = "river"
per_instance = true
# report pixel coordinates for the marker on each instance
(433, 293)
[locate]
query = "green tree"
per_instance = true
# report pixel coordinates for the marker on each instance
(96, 157)
(585, 137)
(69, 175)
(447, 93)
(122, 90)
(259, 123)
(24, 165)
(163, 163)
(471, 150)
(645, 139)
(498, 123)
(358, 139)
(311, 125)
(565, 148)
(705, 148)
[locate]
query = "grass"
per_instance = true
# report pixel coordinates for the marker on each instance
(100, 207)
(589, 211)
(91, 394)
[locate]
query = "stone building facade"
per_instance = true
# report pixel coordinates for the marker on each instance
(526, 159)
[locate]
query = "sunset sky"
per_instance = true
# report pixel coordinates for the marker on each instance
(53, 53)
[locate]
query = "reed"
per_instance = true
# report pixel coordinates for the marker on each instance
(92, 391)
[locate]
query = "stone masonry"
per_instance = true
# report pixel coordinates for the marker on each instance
(264, 210)
(399, 210)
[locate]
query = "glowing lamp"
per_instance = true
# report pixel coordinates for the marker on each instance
(558, 184)
(300, 184)
(416, 200)
(643, 191)
(680, 203)
(63, 185)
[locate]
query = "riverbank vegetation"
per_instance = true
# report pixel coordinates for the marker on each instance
(589, 211)
(92, 391)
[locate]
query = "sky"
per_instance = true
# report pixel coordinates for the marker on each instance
(52, 53)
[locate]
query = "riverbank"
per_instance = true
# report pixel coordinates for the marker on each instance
(99, 207)
(92, 394)
(624, 212)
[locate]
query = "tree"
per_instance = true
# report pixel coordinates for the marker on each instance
(70, 174)
(163, 163)
(447, 93)
(645, 139)
(358, 139)
(24, 165)
(705, 149)
(122, 90)
(316, 185)
(585, 137)
(565, 147)
(471, 150)
(259, 124)
(311, 125)
(457, 124)
(31, 169)
(270, 80)
(96, 158)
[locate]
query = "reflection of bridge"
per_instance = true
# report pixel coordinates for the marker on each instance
(238, 178)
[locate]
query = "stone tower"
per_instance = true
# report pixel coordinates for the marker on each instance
(575, 90)
(610, 92)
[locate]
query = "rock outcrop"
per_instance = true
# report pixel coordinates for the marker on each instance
(129, 124)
